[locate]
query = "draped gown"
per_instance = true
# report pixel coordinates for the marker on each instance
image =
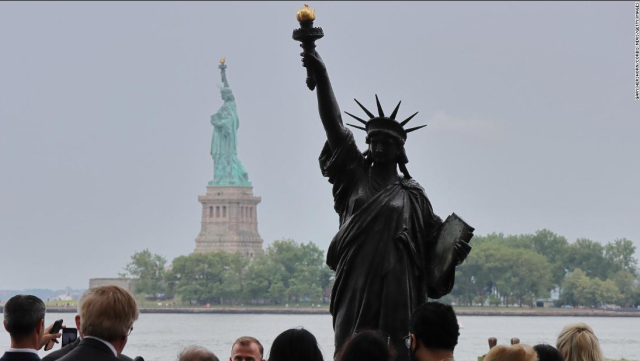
(381, 251)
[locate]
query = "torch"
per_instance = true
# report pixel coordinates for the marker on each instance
(307, 35)
(223, 73)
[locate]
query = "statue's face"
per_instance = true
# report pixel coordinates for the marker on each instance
(383, 148)
(227, 96)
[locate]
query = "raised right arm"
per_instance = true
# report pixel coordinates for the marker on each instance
(327, 103)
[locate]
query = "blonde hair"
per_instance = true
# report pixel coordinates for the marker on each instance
(107, 312)
(578, 342)
(517, 352)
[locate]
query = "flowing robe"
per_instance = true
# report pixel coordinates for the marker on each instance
(381, 252)
(228, 169)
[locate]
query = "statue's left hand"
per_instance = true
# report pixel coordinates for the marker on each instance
(460, 251)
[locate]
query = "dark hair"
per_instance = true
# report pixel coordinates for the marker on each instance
(435, 325)
(22, 314)
(247, 341)
(367, 346)
(548, 353)
(295, 344)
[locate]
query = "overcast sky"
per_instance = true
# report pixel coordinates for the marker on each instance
(105, 120)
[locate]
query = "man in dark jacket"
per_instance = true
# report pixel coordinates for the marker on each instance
(55, 355)
(24, 320)
(107, 317)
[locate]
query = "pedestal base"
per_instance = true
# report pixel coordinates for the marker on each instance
(229, 221)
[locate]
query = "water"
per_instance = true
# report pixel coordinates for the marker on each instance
(159, 337)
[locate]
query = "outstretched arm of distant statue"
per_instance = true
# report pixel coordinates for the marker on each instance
(327, 103)
(223, 74)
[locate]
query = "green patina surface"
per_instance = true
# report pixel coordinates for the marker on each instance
(227, 168)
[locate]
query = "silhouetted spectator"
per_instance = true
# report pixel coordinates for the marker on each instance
(294, 345)
(547, 353)
(367, 346)
(433, 331)
(517, 352)
(578, 342)
(24, 321)
(197, 353)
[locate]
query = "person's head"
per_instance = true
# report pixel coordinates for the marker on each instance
(196, 353)
(295, 344)
(24, 319)
(579, 342)
(434, 326)
(517, 352)
(107, 312)
(547, 353)
(247, 348)
(367, 346)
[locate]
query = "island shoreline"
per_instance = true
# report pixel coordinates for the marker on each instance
(460, 311)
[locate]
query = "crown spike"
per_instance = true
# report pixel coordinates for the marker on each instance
(414, 128)
(357, 126)
(408, 119)
(365, 109)
(380, 112)
(356, 118)
(395, 111)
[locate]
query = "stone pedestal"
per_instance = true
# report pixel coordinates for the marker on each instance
(229, 221)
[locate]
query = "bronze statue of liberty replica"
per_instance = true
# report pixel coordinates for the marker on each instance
(392, 252)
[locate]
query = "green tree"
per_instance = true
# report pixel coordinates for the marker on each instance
(525, 275)
(149, 269)
(477, 276)
(554, 248)
(572, 287)
(579, 289)
(607, 293)
(209, 277)
(589, 257)
(621, 254)
(302, 271)
(260, 276)
(629, 288)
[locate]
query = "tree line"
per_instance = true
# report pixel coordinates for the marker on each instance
(519, 269)
(286, 271)
(500, 271)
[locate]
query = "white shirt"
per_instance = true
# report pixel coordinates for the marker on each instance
(22, 350)
(106, 343)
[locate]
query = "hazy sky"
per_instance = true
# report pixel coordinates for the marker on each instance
(105, 129)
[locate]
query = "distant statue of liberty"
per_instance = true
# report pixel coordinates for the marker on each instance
(227, 168)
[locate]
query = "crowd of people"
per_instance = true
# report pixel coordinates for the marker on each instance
(106, 316)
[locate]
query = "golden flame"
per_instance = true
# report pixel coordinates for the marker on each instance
(306, 14)
(222, 60)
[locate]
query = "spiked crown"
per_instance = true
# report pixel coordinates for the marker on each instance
(381, 124)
